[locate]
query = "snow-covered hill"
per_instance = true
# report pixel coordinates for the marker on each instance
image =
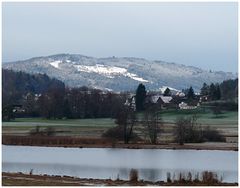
(118, 74)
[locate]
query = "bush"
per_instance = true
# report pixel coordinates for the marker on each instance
(114, 133)
(169, 180)
(117, 133)
(212, 135)
(188, 131)
(133, 176)
(209, 177)
(49, 131)
(206, 178)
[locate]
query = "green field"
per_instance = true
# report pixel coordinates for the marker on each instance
(101, 122)
(227, 122)
(69, 127)
(229, 118)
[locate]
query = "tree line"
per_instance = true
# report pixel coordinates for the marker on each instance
(72, 103)
(80, 103)
(41, 96)
(15, 85)
(227, 90)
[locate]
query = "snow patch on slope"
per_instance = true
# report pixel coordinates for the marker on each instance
(101, 69)
(109, 71)
(135, 77)
(55, 64)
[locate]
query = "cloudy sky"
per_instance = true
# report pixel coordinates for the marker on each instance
(198, 34)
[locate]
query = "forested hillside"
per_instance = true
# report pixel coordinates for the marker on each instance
(38, 95)
(118, 73)
(17, 84)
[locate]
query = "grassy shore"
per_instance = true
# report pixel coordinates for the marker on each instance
(107, 143)
(19, 179)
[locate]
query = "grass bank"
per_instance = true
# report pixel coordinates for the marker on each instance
(64, 141)
(19, 179)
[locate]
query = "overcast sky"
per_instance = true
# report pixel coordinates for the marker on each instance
(198, 34)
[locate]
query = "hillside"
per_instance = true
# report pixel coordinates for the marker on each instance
(118, 74)
(17, 84)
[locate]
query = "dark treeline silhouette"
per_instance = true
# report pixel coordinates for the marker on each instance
(80, 103)
(17, 84)
(227, 90)
(74, 103)
(41, 96)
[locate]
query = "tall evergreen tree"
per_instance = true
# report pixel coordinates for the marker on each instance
(217, 92)
(190, 94)
(229, 89)
(205, 89)
(212, 91)
(167, 92)
(140, 97)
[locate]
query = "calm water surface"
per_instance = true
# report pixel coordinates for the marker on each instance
(102, 163)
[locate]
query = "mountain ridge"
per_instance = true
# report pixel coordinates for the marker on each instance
(118, 73)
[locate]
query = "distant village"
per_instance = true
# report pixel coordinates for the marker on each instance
(169, 99)
(54, 100)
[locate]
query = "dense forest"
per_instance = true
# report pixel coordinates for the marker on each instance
(41, 96)
(15, 85)
(227, 90)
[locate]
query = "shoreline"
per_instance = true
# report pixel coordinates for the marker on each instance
(137, 146)
(20, 179)
(75, 142)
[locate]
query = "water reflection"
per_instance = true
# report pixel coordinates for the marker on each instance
(152, 165)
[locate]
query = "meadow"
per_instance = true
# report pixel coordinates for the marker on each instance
(227, 123)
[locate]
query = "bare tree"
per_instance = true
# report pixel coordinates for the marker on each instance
(153, 123)
(181, 124)
(188, 130)
(127, 119)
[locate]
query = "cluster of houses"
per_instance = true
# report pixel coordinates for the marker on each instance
(176, 101)
(18, 108)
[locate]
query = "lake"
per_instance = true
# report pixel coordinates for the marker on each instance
(104, 163)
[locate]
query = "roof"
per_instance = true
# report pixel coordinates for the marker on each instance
(166, 99)
(155, 98)
(180, 94)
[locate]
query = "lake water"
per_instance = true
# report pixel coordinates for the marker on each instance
(103, 163)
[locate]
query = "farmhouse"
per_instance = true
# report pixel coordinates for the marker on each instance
(180, 94)
(163, 102)
(185, 106)
(18, 109)
(131, 102)
(159, 100)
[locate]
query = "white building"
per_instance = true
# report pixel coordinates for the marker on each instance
(184, 106)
